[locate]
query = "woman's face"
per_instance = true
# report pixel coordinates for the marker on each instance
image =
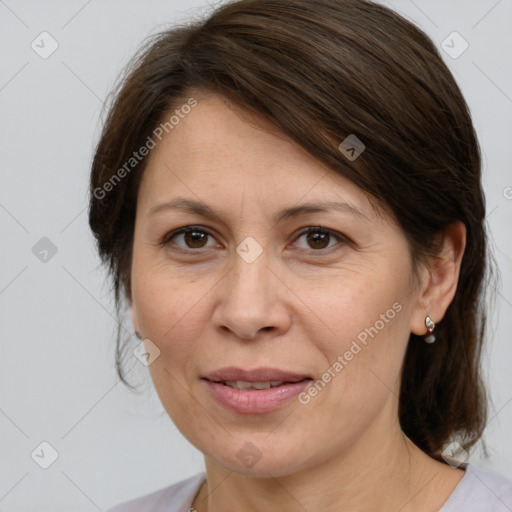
(253, 289)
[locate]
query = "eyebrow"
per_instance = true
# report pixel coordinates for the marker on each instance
(192, 206)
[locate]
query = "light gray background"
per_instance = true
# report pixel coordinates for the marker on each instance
(57, 378)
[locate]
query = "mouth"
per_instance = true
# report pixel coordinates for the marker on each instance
(263, 375)
(255, 391)
(256, 386)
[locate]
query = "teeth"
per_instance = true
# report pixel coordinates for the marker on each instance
(261, 385)
(240, 384)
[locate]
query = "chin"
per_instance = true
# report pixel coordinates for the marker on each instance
(260, 459)
(261, 469)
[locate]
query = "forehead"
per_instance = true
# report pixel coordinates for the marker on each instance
(217, 131)
(221, 148)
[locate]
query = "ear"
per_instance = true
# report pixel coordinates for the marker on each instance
(439, 282)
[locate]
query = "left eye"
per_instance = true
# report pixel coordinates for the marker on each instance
(318, 238)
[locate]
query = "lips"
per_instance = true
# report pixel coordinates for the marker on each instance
(232, 374)
(255, 391)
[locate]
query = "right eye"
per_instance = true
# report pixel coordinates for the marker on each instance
(193, 238)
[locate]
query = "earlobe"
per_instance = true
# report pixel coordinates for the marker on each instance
(441, 281)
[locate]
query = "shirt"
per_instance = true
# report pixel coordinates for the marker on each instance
(480, 490)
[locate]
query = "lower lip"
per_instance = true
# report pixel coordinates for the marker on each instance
(256, 400)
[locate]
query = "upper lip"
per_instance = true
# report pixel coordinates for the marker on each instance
(232, 373)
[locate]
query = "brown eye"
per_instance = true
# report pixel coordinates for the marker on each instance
(319, 238)
(190, 238)
(195, 239)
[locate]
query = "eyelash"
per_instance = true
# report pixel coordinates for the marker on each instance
(312, 229)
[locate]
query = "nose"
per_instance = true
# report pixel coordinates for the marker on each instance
(251, 299)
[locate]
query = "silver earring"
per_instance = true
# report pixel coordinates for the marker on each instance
(138, 335)
(430, 325)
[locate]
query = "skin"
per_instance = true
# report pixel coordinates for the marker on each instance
(297, 307)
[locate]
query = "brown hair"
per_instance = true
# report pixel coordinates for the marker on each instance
(321, 70)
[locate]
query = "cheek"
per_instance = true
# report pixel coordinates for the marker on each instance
(169, 312)
(363, 307)
(364, 338)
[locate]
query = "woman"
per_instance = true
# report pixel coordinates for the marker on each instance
(288, 196)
